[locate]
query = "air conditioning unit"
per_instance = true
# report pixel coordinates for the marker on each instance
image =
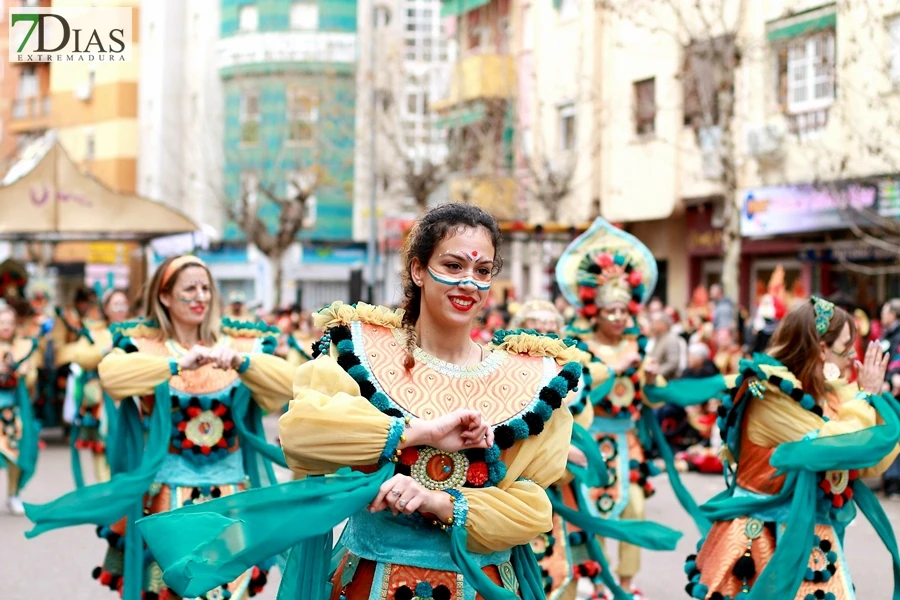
(710, 141)
(84, 91)
(765, 141)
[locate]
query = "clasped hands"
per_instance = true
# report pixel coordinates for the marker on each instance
(461, 429)
(221, 357)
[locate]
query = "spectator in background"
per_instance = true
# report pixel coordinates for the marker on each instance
(666, 347)
(890, 340)
(728, 352)
(724, 313)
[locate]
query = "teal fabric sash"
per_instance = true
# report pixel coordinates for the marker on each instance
(106, 503)
(687, 392)
(681, 492)
(74, 433)
(596, 474)
(28, 445)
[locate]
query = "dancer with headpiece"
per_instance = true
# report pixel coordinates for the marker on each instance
(18, 430)
(450, 446)
(608, 275)
(586, 467)
(799, 441)
(95, 412)
(199, 386)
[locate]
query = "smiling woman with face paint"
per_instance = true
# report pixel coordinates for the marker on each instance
(198, 381)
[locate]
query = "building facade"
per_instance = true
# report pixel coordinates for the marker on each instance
(288, 72)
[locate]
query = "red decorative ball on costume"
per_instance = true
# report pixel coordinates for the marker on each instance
(590, 310)
(838, 501)
(633, 307)
(587, 292)
(635, 278)
(634, 476)
(409, 456)
(605, 260)
(105, 578)
(477, 474)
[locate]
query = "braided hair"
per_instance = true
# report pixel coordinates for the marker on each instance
(430, 230)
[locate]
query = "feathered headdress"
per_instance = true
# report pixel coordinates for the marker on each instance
(605, 265)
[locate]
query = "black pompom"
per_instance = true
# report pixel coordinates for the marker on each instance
(775, 380)
(403, 593)
(816, 410)
(820, 594)
(722, 411)
(215, 492)
(817, 577)
(716, 596)
(504, 436)
(690, 558)
(113, 539)
(569, 377)
(366, 388)
(348, 360)
(797, 394)
(475, 455)
(150, 596)
(551, 397)
(96, 572)
(594, 268)
(194, 401)
(441, 592)
(825, 545)
(393, 412)
(195, 493)
(401, 469)
(744, 568)
(689, 588)
(340, 333)
(535, 423)
(831, 568)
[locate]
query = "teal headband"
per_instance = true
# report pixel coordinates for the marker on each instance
(824, 314)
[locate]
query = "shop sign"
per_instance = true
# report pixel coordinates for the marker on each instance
(794, 209)
(704, 242)
(889, 198)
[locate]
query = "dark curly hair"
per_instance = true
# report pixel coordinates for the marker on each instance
(430, 230)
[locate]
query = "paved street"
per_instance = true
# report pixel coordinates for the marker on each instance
(61, 561)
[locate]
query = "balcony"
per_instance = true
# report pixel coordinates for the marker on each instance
(29, 114)
(479, 77)
(495, 194)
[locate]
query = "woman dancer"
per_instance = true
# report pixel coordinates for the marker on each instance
(800, 438)
(608, 275)
(203, 427)
(466, 440)
(95, 411)
(18, 431)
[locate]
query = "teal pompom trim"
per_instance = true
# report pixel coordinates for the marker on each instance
(520, 429)
(358, 373)
(543, 410)
(345, 346)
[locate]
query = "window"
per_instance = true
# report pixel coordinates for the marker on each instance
(894, 49)
(89, 145)
(645, 107)
(567, 127)
(810, 73)
(527, 143)
(297, 185)
(249, 187)
(248, 18)
(568, 9)
(250, 117)
(527, 29)
(28, 82)
(303, 114)
(304, 16)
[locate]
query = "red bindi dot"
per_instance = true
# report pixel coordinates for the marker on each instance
(474, 252)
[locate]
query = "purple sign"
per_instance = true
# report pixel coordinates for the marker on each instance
(798, 208)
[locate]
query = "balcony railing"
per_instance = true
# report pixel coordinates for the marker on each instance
(31, 108)
(479, 77)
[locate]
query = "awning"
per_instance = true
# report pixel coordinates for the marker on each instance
(461, 116)
(45, 196)
(453, 8)
(802, 23)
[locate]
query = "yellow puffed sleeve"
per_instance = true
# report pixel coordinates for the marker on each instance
(329, 425)
(84, 353)
(270, 379)
(133, 374)
(518, 510)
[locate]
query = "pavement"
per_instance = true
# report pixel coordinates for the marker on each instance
(59, 563)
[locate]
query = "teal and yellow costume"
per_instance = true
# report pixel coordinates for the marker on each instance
(203, 441)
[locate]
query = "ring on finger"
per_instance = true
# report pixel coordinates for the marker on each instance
(402, 503)
(395, 493)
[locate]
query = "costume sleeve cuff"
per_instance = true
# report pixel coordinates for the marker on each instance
(174, 369)
(395, 433)
(460, 508)
(245, 364)
(864, 395)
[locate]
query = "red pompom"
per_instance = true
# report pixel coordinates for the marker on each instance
(854, 474)
(105, 577)
(635, 278)
(633, 307)
(222, 443)
(186, 444)
(605, 260)
(825, 485)
(477, 474)
(587, 292)
(409, 456)
(193, 411)
(848, 494)
(589, 310)
(838, 501)
(634, 476)
(205, 450)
